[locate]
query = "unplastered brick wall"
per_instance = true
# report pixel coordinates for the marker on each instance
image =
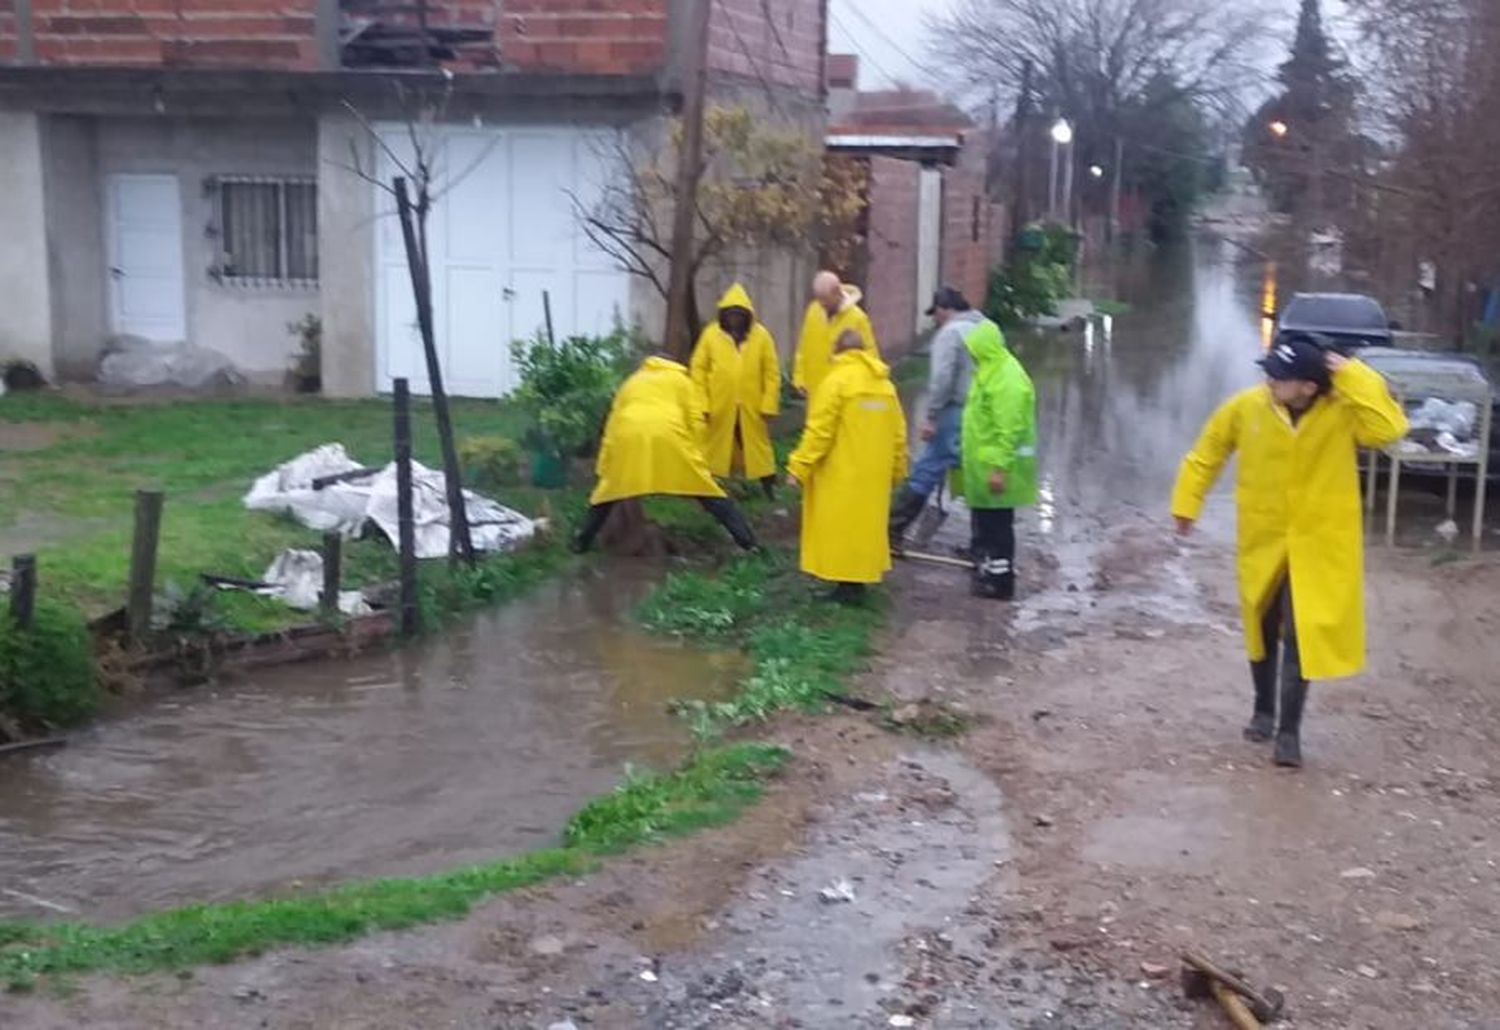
(261, 34)
(968, 232)
(778, 43)
(8, 46)
(601, 37)
(891, 266)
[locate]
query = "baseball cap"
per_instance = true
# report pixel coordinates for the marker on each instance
(1297, 356)
(949, 299)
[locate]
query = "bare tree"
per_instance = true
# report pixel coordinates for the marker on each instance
(414, 186)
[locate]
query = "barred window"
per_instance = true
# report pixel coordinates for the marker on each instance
(268, 231)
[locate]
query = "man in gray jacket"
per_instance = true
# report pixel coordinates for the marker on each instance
(947, 386)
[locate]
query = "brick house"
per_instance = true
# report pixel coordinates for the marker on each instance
(191, 170)
(929, 218)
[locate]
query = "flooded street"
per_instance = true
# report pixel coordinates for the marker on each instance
(460, 749)
(1045, 868)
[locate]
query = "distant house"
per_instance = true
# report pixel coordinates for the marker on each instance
(190, 172)
(930, 219)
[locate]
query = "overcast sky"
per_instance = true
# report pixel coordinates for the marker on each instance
(889, 38)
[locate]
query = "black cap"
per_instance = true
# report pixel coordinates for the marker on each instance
(949, 299)
(1297, 356)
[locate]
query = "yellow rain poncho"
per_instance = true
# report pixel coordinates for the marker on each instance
(853, 452)
(820, 333)
(742, 384)
(1297, 493)
(653, 441)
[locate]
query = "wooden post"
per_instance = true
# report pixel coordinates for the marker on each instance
(148, 504)
(547, 310)
(689, 168)
(333, 561)
(23, 589)
(461, 545)
(407, 535)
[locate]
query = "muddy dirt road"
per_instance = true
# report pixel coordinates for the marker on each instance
(1044, 869)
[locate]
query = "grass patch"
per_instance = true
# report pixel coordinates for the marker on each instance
(711, 788)
(802, 648)
(204, 455)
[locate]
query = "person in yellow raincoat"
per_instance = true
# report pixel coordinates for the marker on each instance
(852, 454)
(736, 367)
(1301, 545)
(653, 444)
(833, 311)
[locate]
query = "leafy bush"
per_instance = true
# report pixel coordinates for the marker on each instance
(47, 672)
(566, 390)
(491, 462)
(1025, 290)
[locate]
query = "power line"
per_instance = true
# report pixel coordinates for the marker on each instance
(855, 41)
(881, 33)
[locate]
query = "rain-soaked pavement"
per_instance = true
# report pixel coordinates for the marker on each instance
(460, 749)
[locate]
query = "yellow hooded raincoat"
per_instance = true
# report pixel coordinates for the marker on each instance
(653, 440)
(820, 333)
(742, 384)
(1297, 494)
(852, 453)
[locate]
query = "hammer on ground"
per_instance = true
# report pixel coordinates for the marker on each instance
(1247, 1007)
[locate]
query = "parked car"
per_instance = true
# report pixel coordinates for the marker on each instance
(1348, 320)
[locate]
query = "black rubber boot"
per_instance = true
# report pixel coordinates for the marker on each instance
(848, 594)
(994, 578)
(904, 511)
(768, 484)
(1289, 733)
(733, 520)
(1263, 721)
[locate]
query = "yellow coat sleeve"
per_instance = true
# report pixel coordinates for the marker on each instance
(1201, 468)
(770, 374)
(701, 366)
(812, 330)
(898, 473)
(1378, 419)
(817, 435)
(867, 333)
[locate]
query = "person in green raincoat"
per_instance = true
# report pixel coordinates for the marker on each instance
(998, 451)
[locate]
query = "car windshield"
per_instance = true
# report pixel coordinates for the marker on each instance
(1359, 313)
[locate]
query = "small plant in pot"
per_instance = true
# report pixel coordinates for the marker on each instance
(306, 372)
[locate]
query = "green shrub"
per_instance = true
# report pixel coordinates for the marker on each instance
(566, 389)
(1026, 289)
(491, 462)
(47, 672)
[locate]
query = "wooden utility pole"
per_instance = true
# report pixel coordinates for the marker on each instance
(1021, 204)
(1115, 186)
(689, 169)
(414, 236)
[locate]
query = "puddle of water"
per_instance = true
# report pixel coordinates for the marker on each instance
(457, 750)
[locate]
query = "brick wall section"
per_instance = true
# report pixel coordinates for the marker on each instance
(891, 267)
(968, 232)
(591, 36)
(775, 42)
(7, 31)
(267, 34)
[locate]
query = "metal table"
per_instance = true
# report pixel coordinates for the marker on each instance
(1419, 376)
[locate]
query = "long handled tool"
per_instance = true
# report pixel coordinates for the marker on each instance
(1246, 1006)
(937, 559)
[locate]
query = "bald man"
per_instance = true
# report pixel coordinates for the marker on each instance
(833, 311)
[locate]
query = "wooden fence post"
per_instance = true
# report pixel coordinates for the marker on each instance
(407, 542)
(148, 504)
(23, 589)
(333, 572)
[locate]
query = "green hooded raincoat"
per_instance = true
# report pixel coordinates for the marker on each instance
(999, 429)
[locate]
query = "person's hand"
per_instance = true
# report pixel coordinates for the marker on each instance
(929, 430)
(1335, 360)
(801, 391)
(1185, 526)
(792, 482)
(997, 482)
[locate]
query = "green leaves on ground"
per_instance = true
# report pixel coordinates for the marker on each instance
(709, 789)
(802, 647)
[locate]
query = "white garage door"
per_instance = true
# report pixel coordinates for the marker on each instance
(501, 234)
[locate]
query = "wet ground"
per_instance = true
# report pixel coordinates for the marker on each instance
(1046, 869)
(463, 748)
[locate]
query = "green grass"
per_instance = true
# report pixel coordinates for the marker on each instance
(802, 648)
(204, 455)
(711, 788)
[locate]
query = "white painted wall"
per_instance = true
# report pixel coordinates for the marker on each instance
(25, 299)
(929, 241)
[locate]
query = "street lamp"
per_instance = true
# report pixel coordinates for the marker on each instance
(1062, 136)
(1279, 128)
(1096, 171)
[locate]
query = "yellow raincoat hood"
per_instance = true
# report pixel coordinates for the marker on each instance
(736, 297)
